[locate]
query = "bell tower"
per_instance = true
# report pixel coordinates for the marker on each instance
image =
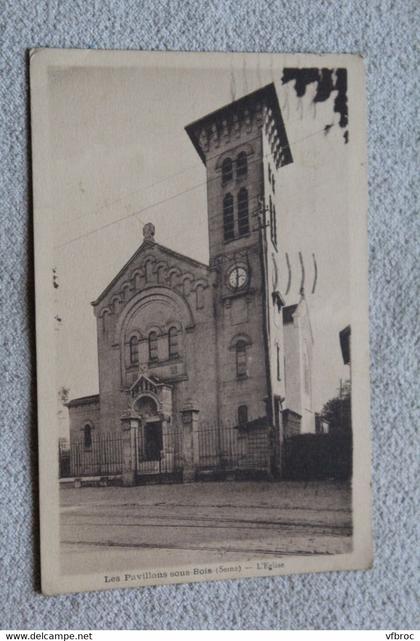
(242, 145)
(238, 144)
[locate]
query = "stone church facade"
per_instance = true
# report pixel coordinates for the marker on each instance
(198, 361)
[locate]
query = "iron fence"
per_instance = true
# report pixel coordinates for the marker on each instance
(160, 454)
(210, 448)
(232, 448)
(64, 459)
(103, 456)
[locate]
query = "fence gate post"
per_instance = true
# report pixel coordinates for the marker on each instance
(130, 426)
(190, 454)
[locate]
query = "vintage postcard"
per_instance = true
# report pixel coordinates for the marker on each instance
(201, 316)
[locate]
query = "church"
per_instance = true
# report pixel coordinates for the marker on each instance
(203, 369)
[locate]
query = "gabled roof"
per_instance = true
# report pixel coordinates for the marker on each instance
(153, 381)
(147, 244)
(83, 400)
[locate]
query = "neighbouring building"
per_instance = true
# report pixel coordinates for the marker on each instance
(345, 341)
(202, 367)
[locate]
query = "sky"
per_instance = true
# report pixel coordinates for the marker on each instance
(120, 157)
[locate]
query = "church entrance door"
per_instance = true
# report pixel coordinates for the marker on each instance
(150, 447)
(150, 437)
(158, 446)
(153, 441)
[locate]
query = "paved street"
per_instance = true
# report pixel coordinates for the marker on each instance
(113, 528)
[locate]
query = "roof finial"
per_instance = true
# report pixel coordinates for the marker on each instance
(149, 232)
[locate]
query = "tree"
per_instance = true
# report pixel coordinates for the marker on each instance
(62, 398)
(337, 411)
(63, 394)
(62, 416)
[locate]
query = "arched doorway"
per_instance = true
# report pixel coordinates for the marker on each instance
(153, 441)
(150, 445)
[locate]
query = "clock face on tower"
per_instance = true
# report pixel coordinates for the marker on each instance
(237, 277)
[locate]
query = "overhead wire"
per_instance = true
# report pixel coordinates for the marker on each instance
(190, 167)
(167, 199)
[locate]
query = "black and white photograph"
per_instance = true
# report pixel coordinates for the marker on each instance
(201, 301)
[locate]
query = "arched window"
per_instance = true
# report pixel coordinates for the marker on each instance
(126, 292)
(137, 280)
(105, 317)
(227, 171)
(87, 437)
(199, 292)
(228, 222)
(274, 228)
(243, 216)
(173, 342)
(134, 350)
(241, 165)
(187, 282)
(270, 202)
(242, 415)
(241, 360)
(116, 305)
(174, 277)
(161, 274)
(148, 270)
(153, 346)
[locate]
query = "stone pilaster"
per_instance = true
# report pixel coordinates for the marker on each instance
(167, 464)
(191, 454)
(130, 425)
